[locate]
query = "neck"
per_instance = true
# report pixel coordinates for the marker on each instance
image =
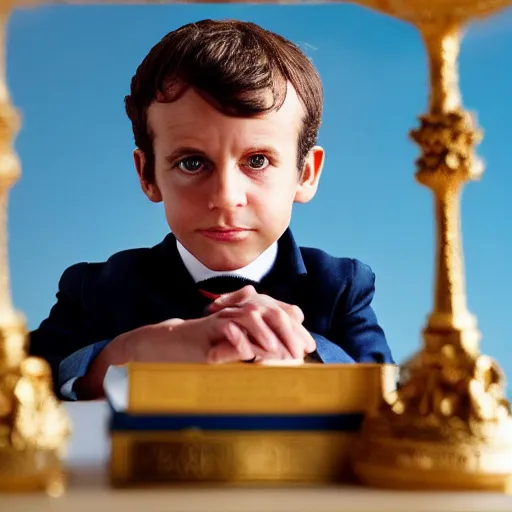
(255, 271)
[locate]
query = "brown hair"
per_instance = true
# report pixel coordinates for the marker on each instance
(233, 65)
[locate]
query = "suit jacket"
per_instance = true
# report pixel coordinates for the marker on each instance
(98, 301)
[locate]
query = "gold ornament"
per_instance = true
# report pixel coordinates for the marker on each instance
(448, 425)
(33, 424)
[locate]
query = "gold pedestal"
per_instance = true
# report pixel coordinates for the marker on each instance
(34, 470)
(33, 425)
(448, 426)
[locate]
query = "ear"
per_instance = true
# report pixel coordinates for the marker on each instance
(150, 188)
(308, 185)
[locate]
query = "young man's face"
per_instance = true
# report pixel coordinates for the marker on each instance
(228, 184)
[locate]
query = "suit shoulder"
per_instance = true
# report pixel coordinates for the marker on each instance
(120, 262)
(115, 269)
(338, 268)
(70, 282)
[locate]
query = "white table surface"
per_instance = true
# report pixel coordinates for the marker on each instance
(89, 492)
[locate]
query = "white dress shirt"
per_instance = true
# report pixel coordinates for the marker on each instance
(255, 271)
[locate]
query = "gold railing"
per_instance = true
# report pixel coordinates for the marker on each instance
(449, 424)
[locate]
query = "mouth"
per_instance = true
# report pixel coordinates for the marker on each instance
(226, 233)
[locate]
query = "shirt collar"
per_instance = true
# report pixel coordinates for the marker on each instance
(255, 271)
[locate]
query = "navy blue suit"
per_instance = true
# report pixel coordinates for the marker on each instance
(98, 301)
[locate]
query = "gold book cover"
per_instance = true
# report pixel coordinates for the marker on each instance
(241, 423)
(230, 457)
(241, 388)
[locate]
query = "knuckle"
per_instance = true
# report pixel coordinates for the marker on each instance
(251, 308)
(297, 312)
(248, 290)
(254, 314)
(224, 328)
(221, 314)
(279, 315)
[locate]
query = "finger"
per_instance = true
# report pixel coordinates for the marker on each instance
(294, 311)
(281, 362)
(233, 299)
(223, 353)
(249, 318)
(298, 313)
(270, 302)
(271, 329)
(302, 339)
(214, 307)
(232, 333)
(281, 354)
(282, 325)
(308, 341)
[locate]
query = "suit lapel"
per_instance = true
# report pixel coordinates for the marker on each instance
(285, 280)
(177, 296)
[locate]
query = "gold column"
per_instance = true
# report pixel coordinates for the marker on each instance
(447, 136)
(448, 426)
(33, 425)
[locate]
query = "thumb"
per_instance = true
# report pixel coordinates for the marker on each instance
(232, 299)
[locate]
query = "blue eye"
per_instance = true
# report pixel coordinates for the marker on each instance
(191, 164)
(257, 161)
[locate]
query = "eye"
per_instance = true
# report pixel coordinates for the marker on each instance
(257, 162)
(191, 164)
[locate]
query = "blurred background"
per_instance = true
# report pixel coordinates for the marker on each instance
(69, 69)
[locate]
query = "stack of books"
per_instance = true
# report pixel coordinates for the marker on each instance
(240, 423)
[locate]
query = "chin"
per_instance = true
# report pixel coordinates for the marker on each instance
(223, 265)
(225, 261)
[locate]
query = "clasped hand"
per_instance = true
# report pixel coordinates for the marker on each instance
(243, 325)
(256, 326)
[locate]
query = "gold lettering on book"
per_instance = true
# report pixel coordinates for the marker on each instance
(202, 456)
(196, 460)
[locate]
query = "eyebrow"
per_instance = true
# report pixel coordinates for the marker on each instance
(182, 151)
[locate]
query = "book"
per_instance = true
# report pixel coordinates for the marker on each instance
(243, 388)
(235, 457)
(240, 424)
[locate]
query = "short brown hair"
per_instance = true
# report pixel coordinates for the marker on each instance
(232, 64)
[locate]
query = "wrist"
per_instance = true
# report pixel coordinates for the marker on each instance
(150, 343)
(90, 386)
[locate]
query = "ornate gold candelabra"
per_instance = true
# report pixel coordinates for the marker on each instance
(448, 426)
(33, 425)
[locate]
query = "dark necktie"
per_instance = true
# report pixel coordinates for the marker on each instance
(214, 287)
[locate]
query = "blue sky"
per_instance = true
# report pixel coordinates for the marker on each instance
(78, 200)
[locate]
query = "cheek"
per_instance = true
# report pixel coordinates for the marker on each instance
(275, 198)
(182, 205)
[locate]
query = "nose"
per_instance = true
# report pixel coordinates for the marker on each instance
(228, 189)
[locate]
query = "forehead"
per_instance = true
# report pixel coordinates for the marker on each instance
(193, 117)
